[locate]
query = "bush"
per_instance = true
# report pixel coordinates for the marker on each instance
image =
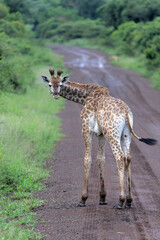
(79, 29)
(17, 60)
(13, 29)
(4, 11)
(150, 53)
(43, 30)
(125, 32)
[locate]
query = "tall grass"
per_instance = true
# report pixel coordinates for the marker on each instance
(29, 129)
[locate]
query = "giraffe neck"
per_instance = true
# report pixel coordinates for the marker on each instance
(74, 92)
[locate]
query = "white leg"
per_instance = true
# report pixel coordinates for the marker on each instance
(120, 160)
(125, 143)
(101, 164)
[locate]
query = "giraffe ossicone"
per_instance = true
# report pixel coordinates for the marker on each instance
(109, 119)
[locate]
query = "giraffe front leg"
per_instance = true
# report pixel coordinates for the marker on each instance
(87, 165)
(101, 163)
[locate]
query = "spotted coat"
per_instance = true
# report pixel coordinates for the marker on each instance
(108, 118)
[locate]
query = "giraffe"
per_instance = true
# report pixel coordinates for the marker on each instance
(109, 119)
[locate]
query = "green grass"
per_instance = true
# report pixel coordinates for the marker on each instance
(17, 220)
(133, 63)
(29, 129)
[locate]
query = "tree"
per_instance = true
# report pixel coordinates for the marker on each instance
(116, 12)
(4, 10)
(17, 5)
(111, 13)
(70, 3)
(86, 8)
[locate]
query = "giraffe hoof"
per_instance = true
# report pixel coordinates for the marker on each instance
(81, 204)
(118, 207)
(128, 206)
(102, 203)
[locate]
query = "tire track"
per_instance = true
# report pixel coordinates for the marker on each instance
(146, 194)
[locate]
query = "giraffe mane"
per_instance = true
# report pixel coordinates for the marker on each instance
(91, 87)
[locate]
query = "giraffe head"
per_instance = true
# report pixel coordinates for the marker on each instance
(55, 82)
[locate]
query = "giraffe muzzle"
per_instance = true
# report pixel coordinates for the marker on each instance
(55, 96)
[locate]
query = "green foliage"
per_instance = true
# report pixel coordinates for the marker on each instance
(88, 9)
(4, 11)
(29, 132)
(12, 28)
(53, 14)
(85, 8)
(154, 76)
(125, 32)
(20, 6)
(111, 13)
(14, 215)
(150, 53)
(116, 12)
(17, 58)
(29, 128)
(80, 29)
(45, 28)
(144, 37)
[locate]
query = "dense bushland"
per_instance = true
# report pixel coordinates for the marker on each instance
(116, 12)
(17, 54)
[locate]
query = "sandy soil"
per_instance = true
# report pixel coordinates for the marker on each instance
(65, 221)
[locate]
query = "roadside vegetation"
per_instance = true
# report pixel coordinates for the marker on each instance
(28, 125)
(29, 128)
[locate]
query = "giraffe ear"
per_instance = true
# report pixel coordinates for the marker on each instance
(65, 79)
(45, 79)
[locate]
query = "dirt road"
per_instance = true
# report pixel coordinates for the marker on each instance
(63, 220)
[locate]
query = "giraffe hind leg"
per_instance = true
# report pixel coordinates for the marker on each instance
(120, 161)
(125, 144)
(101, 163)
(129, 194)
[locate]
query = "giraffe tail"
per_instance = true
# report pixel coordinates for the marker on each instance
(148, 141)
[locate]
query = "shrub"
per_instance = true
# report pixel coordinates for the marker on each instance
(150, 53)
(79, 29)
(43, 30)
(125, 32)
(4, 11)
(13, 29)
